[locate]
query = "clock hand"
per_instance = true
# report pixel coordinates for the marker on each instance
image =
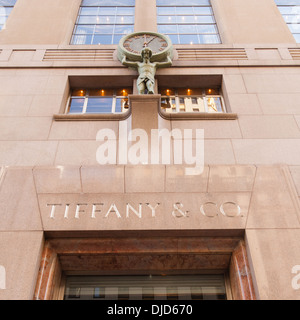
(150, 40)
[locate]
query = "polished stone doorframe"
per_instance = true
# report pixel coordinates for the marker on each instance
(138, 255)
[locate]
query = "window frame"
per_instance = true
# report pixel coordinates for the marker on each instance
(86, 97)
(4, 7)
(296, 35)
(204, 97)
(177, 24)
(87, 285)
(93, 25)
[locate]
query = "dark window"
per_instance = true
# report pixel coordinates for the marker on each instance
(155, 287)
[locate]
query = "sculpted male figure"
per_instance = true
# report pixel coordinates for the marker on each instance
(146, 70)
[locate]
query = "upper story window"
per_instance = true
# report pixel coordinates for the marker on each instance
(103, 21)
(6, 7)
(290, 10)
(154, 287)
(192, 100)
(95, 101)
(187, 22)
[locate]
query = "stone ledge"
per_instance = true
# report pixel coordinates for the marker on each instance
(197, 116)
(92, 117)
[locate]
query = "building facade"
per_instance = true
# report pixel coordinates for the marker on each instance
(197, 183)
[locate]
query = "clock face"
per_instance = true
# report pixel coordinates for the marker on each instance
(135, 43)
(132, 45)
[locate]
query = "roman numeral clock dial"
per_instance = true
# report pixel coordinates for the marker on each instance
(131, 45)
(136, 44)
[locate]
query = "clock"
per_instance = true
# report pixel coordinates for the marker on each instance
(132, 45)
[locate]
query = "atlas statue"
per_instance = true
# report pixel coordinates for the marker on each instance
(146, 70)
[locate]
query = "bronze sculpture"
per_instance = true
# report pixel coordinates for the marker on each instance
(146, 70)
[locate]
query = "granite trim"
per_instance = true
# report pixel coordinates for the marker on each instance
(131, 255)
(49, 275)
(240, 274)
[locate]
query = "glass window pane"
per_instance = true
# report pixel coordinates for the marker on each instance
(289, 10)
(198, 106)
(191, 18)
(121, 105)
(204, 19)
(119, 29)
(124, 19)
(182, 2)
(86, 39)
(5, 11)
(104, 29)
(287, 2)
(76, 105)
(102, 39)
(207, 29)
(214, 104)
(194, 104)
(187, 29)
(164, 28)
(292, 18)
(125, 11)
(117, 38)
(6, 7)
(107, 11)
(184, 10)
(297, 37)
(166, 19)
(108, 20)
(124, 3)
(206, 39)
(192, 100)
(90, 2)
(295, 28)
(295, 10)
(165, 10)
(188, 39)
(88, 20)
(99, 105)
(203, 10)
(284, 10)
(89, 11)
(108, 3)
(100, 100)
(186, 19)
(7, 2)
(2, 19)
(174, 38)
(181, 105)
(84, 29)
